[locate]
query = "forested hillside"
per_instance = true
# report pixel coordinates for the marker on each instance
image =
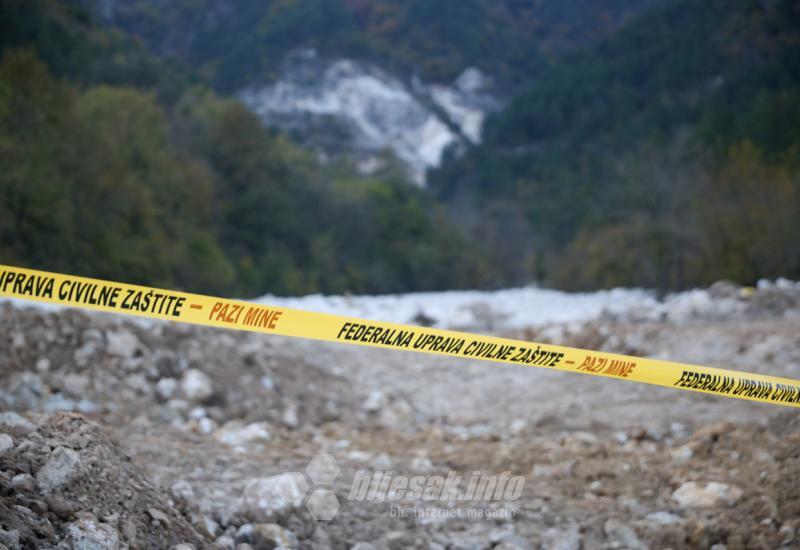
(647, 143)
(234, 43)
(667, 156)
(116, 164)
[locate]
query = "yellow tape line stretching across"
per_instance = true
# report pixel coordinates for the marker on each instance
(218, 312)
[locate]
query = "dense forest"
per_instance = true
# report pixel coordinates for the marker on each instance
(667, 156)
(117, 165)
(665, 153)
(230, 41)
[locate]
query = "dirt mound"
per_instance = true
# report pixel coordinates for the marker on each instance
(67, 480)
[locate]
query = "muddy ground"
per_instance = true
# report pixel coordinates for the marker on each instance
(124, 434)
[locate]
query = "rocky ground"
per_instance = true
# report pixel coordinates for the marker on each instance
(118, 433)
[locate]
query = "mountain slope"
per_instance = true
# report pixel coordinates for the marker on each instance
(111, 166)
(614, 161)
(353, 79)
(237, 42)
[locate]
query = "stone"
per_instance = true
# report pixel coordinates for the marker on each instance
(182, 489)
(561, 469)
(266, 498)
(358, 456)
(694, 495)
(206, 426)
(63, 467)
(663, 518)
(10, 539)
(684, 453)
(75, 384)
(236, 433)
(375, 401)
(623, 535)
(122, 343)
(290, 419)
(271, 535)
(158, 516)
(43, 364)
(787, 533)
(421, 464)
(138, 382)
(196, 385)
(129, 531)
(244, 533)
(90, 534)
(22, 482)
(211, 526)
(517, 426)
(166, 388)
(18, 340)
(14, 424)
(60, 507)
(568, 538)
(6, 443)
(382, 462)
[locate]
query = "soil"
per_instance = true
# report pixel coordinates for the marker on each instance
(605, 463)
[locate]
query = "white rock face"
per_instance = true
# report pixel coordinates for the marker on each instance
(375, 110)
(694, 495)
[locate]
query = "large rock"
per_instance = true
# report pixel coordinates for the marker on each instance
(6, 443)
(14, 424)
(663, 518)
(122, 343)
(9, 540)
(266, 498)
(63, 467)
(623, 535)
(196, 385)
(235, 433)
(375, 401)
(90, 534)
(566, 538)
(166, 388)
(694, 495)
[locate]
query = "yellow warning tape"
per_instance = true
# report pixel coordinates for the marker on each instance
(143, 301)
